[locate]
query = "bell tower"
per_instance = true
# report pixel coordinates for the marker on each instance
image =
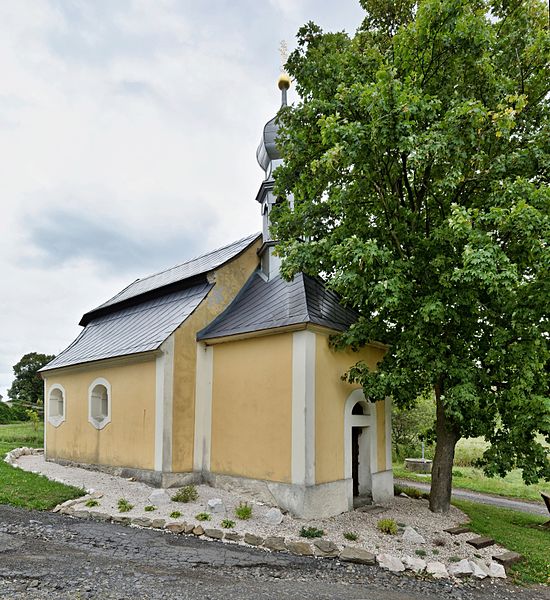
(269, 159)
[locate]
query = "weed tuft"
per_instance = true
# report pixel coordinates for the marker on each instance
(243, 511)
(124, 505)
(187, 493)
(311, 532)
(228, 524)
(388, 526)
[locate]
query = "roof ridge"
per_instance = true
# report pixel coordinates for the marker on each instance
(199, 256)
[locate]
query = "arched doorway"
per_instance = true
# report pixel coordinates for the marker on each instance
(356, 433)
(358, 440)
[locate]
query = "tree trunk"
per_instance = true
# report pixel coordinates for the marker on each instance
(442, 467)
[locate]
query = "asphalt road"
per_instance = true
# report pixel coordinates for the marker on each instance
(45, 555)
(534, 508)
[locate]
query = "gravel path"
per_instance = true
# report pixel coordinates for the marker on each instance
(523, 506)
(438, 546)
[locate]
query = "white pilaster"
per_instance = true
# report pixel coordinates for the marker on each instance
(46, 408)
(303, 407)
(203, 407)
(388, 434)
(163, 406)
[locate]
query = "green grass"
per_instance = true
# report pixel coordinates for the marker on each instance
(469, 478)
(514, 530)
(28, 490)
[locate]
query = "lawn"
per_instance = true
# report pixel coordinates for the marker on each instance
(515, 531)
(24, 489)
(470, 478)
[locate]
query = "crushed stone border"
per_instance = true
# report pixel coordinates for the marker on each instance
(319, 547)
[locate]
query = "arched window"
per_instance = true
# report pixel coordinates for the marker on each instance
(99, 403)
(56, 405)
(358, 409)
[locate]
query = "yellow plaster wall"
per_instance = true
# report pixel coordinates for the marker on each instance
(252, 408)
(229, 280)
(129, 439)
(331, 395)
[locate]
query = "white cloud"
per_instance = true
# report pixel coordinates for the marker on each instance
(135, 122)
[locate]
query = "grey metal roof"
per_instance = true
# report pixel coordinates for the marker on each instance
(133, 329)
(187, 270)
(262, 305)
(267, 148)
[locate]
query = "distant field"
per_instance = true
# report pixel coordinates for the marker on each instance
(24, 489)
(468, 478)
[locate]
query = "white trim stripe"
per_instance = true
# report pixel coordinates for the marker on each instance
(203, 407)
(163, 406)
(303, 407)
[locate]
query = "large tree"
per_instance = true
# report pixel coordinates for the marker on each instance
(418, 161)
(27, 386)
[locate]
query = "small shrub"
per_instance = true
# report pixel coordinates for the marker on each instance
(397, 489)
(435, 551)
(388, 526)
(203, 516)
(243, 511)
(33, 418)
(124, 505)
(457, 473)
(311, 532)
(420, 552)
(91, 502)
(351, 536)
(187, 493)
(150, 508)
(228, 524)
(175, 514)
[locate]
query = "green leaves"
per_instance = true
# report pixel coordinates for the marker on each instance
(418, 160)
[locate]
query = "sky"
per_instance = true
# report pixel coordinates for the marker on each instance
(128, 132)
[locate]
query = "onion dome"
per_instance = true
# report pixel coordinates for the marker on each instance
(267, 151)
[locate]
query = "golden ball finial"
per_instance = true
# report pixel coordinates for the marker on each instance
(284, 81)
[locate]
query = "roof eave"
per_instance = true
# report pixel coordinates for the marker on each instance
(176, 286)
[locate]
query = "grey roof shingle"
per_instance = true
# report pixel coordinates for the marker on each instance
(133, 329)
(143, 315)
(262, 305)
(187, 270)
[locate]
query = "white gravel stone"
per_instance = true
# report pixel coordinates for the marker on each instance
(411, 535)
(460, 569)
(159, 497)
(391, 563)
(273, 516)
(437, 570)
(496, 570)
(414, 564)
(479, 571)
(216, 506)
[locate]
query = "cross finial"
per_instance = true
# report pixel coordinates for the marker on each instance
(283, 51)
(284, 79)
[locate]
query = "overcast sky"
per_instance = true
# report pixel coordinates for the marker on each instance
(128, 131)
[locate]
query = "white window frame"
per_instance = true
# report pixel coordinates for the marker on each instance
(99, 423)
(56, 420)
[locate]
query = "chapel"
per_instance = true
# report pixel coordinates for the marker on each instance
(218, 370)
